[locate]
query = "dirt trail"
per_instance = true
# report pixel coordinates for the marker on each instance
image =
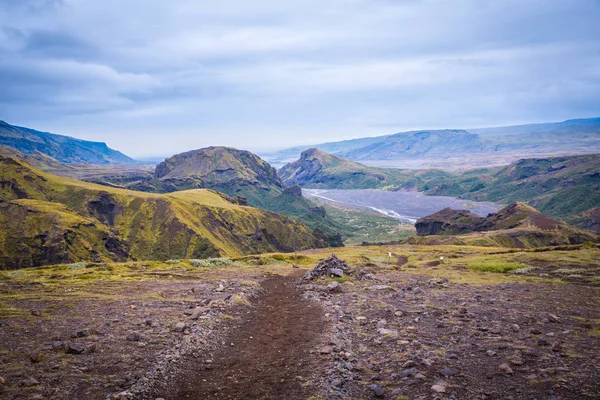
(271, 351)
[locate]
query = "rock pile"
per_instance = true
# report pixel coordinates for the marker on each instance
(331, 266)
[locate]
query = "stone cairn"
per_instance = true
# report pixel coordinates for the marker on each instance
(331, 266)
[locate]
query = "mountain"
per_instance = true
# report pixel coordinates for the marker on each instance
(237, 173)
(517, 225)
(559, 186)
(318, 169)
(62, 148)
(49, 219)
(228, 170)
(455, 149)
(418, 144)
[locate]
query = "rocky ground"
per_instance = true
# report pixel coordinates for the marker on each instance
(412, 329)
(407, 336)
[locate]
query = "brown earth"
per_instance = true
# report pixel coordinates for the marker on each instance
(269, 353)
(385, 331)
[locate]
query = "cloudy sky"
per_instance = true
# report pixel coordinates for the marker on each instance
(157, 77)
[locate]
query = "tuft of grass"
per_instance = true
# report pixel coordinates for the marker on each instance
(213, 262)
(496, 266)
(524, 270)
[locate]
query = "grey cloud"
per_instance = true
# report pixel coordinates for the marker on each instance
(271, 73)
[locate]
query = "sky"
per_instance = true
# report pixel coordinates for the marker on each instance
(154, 77)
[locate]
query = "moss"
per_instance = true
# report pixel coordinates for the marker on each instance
(499, 267)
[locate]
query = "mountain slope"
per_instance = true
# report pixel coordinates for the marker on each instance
(317, 169)
(46, 219)
(415, 144)
(517, 225)
(62, 148)
(560, 186)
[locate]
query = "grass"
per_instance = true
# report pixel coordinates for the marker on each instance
(497, 267)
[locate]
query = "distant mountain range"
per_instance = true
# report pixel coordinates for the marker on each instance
(461, 149)
(61, 148)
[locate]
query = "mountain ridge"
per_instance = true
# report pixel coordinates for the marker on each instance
(489, 146)
(63, 148)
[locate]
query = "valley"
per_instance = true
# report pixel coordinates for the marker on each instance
(214, 275)
(403, 206)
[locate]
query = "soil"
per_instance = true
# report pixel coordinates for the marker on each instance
(268, 354)
(389, 332)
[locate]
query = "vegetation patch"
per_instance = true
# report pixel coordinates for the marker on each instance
(497, 267)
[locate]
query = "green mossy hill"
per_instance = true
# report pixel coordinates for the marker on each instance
(62, 148)
(238, 173)
(561, 187)
(317, 169)
(46, 219)
(246, 178)
(517, 225)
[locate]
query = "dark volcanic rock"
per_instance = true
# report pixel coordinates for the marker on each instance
(447, 222)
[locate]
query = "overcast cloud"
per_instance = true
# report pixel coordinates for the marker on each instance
(158, 77)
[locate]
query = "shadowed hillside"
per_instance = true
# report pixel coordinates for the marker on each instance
(62, 148)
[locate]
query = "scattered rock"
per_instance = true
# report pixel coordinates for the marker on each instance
(553, 318)
(515, 328)
(336, 272)
(505, 368)
(334, 287)
(75, 349)
(36, 313)
(490, 353)
(37, 356)
(447, 372)
(439, 388)
(517, 361)
(179, 327)
(326, 350)
(81, 333)
(543, 342)
(31, 381)
(198, 312)
(378, 390)
(134, 337)
(535, 331)
(387, 332)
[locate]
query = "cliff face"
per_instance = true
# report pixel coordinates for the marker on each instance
(47, 219)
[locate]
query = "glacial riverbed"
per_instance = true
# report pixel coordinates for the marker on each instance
(403, 206)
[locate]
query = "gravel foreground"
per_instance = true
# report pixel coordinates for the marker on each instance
(266, 333)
